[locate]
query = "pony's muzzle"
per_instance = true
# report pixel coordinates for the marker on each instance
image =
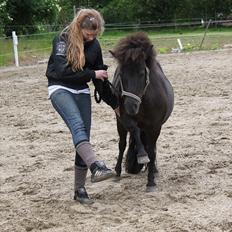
(131, 106)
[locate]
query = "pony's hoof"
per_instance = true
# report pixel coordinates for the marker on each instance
(150, 189)
(143, 159)
(117, 178)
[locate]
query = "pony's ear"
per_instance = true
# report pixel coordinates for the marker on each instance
(150, 58)
(112, 53)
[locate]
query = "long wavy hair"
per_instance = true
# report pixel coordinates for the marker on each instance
(89, 19)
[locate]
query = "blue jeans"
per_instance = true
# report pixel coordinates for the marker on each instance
(75, 109)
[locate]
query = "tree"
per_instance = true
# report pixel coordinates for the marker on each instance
(3, 16)
(27, 16)
(24, 16)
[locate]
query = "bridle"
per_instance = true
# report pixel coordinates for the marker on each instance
(128, 94)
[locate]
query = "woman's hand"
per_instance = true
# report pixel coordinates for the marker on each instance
(101, 74)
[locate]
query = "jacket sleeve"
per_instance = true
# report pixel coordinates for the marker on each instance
(63, 70)
(108, 97)
(103, 88)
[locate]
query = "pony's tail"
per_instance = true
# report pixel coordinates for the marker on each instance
(132, 166)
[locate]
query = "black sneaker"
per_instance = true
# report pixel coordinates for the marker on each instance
(82, 196)
(100, 172)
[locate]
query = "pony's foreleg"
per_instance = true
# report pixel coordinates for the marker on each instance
(142, 156)
(152, 169)
(122, 146)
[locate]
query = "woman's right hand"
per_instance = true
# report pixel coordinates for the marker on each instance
(101, 74)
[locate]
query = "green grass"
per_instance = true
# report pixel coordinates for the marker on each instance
(30, 48)
(36, 47)
(165, 40)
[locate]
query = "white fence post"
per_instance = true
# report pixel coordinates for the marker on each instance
(15, 45)
(180, 44)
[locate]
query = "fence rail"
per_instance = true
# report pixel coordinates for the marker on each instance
(137, 24)
(36, 47)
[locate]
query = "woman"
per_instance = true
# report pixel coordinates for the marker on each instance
(75, 60)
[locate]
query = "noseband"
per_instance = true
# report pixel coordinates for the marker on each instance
(128, 94)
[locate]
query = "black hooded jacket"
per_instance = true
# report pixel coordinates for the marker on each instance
(59, 72)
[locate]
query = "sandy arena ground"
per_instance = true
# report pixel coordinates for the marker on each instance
(194, 186)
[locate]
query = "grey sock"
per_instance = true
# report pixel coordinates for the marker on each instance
(80, 174)
(86, 153)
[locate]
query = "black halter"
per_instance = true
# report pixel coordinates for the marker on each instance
(123, 92)
(128, 94)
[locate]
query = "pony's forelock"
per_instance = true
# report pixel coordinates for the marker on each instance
(135, 48)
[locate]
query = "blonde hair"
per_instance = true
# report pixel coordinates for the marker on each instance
(85, 19)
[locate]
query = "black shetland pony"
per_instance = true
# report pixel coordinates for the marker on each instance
(146, 101)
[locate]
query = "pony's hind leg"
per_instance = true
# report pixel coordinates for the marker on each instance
(122, 146)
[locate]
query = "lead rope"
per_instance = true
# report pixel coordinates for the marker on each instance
(97, 96)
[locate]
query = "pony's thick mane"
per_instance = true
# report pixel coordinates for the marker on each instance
(134, 48)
